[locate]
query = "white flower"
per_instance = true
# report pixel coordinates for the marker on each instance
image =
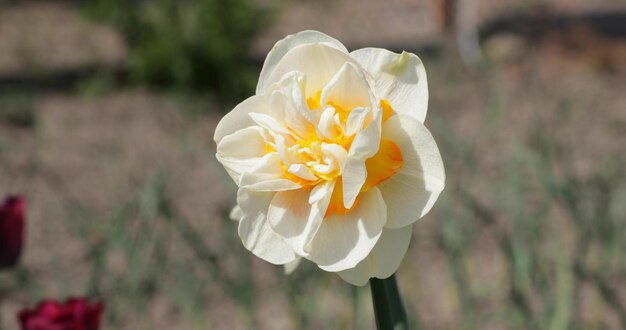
(331, 157)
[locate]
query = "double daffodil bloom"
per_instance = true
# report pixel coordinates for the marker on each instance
(331, 157)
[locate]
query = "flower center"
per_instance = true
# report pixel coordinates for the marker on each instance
(313, 155)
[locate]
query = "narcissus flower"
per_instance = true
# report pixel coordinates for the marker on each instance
(11, 230)
(331, 157)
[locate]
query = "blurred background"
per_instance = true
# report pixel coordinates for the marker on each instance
(107, 112)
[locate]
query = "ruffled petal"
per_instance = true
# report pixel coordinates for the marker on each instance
(287, 103)
(383, 165)
(342, 241)
(235, 214)
(269, 123)
(356, 120)
(255, 231)
(267, 175)
(297, 215)
(399, 78)
(365, 145)
(239, 117)
(413, 190)
(384, 259)
(292, 266)
(241, 151)
(282, 47)
(349, 89)
(319, 62)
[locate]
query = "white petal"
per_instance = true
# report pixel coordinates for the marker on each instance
(269, 123)
(281, 48)
(241, 151)
(297, 221)
(268, 167)
(290, 267)
(335, 153)
(252, 182)
(324, 168)
(244, 143)
(413, 190)
(289, 104)
(320, 192)
(255, 231)
(348, 88)
(384, 259)
(281, 149)
(399, 78)
(235, 214)
(238, 118)
(356, 120)
(319, 62)
(364, 146)
(267, 175)
(326, 124)
(342, 241)
(302, 172)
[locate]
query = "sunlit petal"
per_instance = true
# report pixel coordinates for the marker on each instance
(238, 118)
(285, 45)
(399, 78)
(365, 145)
(241, 151)
(342, 241)
(319, 62)
(348, 89)
(412, 192)
(255, 231)
(384, 259)
(295, 219)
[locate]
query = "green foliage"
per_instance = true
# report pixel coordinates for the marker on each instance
(194, 45)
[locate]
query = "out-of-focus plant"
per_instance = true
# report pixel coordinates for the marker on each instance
(17, 108)
(75, 313)
(11, 230)
(193, 45)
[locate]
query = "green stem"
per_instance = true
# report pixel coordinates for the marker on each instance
(388, 307)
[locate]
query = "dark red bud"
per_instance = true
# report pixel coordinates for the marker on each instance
(73, 314)
(12, 217)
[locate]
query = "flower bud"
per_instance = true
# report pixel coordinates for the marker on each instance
(11, 230)
(74, 313)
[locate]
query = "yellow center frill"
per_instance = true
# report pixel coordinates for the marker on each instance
(314, 155)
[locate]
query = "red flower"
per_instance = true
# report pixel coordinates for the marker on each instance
(74, 314)
(11, 230)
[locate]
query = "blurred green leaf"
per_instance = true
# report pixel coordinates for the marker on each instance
(194, 45)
